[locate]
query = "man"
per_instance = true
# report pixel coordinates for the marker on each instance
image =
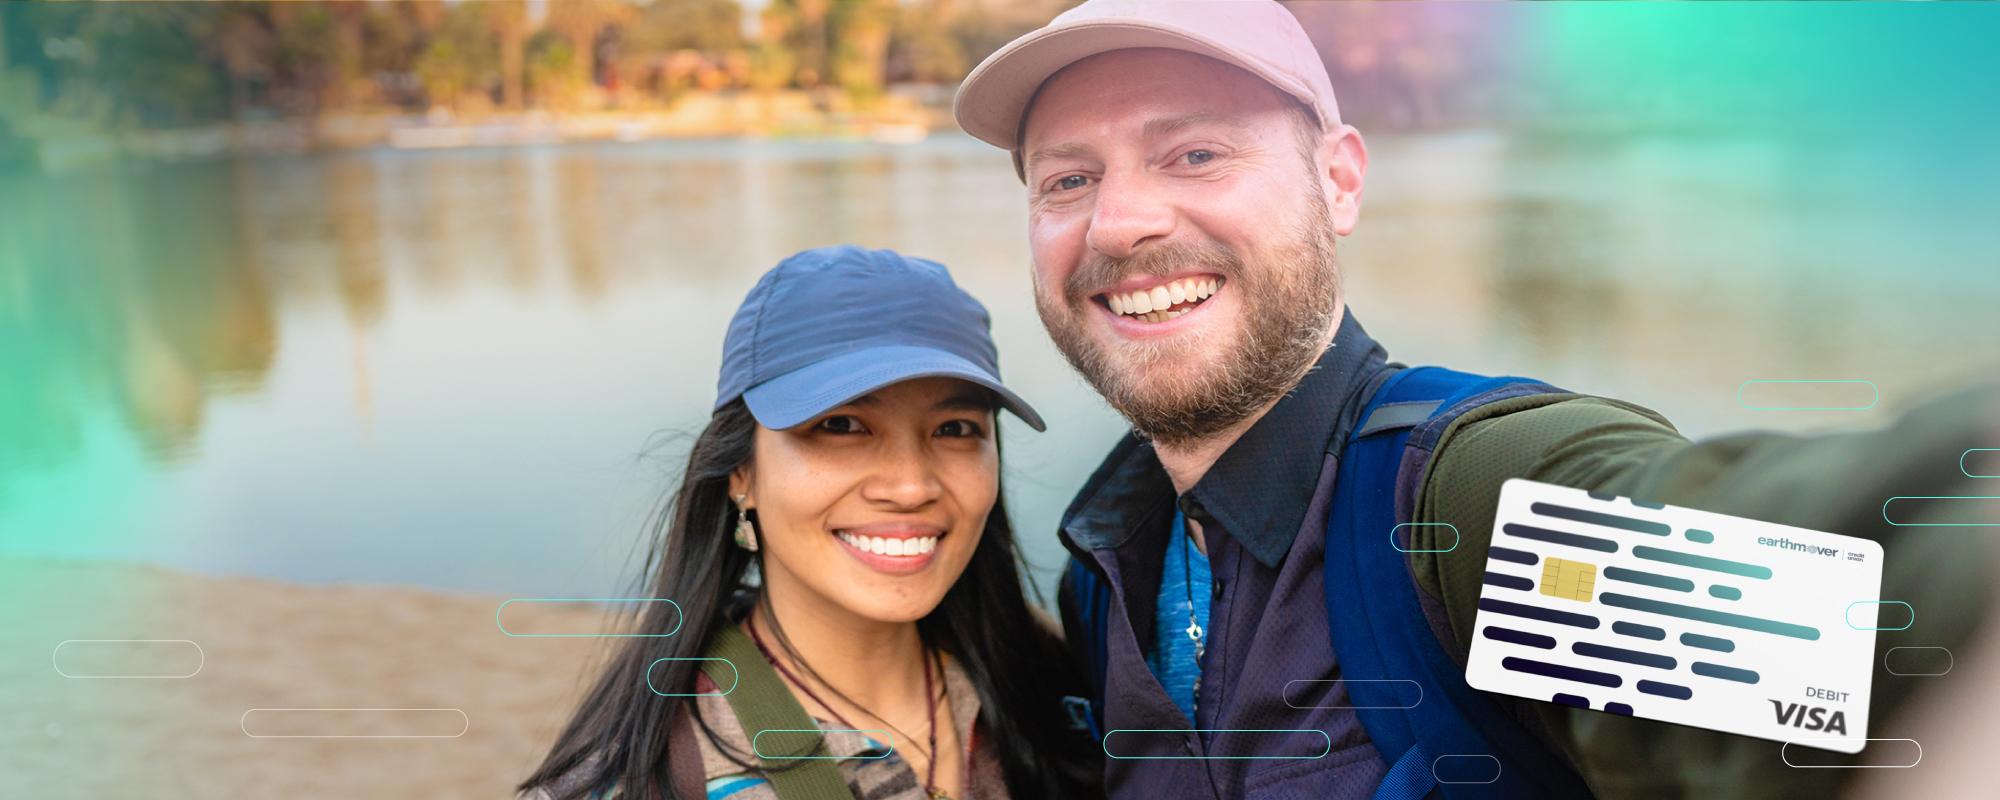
(1188, 176)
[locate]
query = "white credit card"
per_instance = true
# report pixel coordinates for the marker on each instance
(1683, 616)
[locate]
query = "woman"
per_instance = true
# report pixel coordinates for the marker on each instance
(847, 616)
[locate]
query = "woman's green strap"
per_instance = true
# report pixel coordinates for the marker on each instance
(764, 705)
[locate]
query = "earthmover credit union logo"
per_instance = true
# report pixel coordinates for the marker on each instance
(1787, 544)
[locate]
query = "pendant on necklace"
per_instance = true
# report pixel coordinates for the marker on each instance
(938, 794)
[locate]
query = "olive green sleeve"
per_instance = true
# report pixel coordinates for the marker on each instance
(1835, 483)
(1569, 440)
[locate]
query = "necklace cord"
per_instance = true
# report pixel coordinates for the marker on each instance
(1194, 630)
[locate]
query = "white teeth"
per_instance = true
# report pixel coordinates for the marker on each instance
(1150, 305)
(1139, 303)
(891, 546)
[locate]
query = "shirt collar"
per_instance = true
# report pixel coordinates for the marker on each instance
(1259, 489)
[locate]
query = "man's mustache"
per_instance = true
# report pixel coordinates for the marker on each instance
(1160, 260)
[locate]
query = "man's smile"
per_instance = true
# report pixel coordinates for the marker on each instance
(1161, 300)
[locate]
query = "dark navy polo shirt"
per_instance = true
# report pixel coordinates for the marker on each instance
(1263, 508)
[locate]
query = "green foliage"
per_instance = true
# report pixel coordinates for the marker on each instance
(143, 63)
(550, 71)
(926, 48)
(310, 39)
(664, 26)
(93, 66)
(152, 61)
(463, 56)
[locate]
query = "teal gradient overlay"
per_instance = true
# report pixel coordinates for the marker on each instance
(1815, 69)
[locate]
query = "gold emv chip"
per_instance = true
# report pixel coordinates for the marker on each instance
(1569, 580)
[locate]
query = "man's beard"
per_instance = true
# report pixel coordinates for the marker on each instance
(1290, 304)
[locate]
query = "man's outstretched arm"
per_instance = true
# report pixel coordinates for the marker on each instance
(1833, 483)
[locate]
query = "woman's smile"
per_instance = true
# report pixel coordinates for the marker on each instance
(895, 548)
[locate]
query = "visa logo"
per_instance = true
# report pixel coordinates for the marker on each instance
(1810, 718)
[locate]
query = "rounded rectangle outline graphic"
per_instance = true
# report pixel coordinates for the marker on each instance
(197, 667)
(732, 684)
(242, 723)
(1844, 615)
(1286, 695)
(1953, 661)
(1104, 744)
(1885, 513)
(822, 732)
(1871, 403)
(1961, 460)
(680, 617)
(1434, 769)
(1455, 537)
(1788, 761)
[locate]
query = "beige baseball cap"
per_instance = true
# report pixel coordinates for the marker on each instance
(1257, 35)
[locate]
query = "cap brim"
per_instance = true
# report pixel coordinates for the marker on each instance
(796, 397)
(992, 99)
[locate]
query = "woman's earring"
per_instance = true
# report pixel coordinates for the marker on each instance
(746, 533)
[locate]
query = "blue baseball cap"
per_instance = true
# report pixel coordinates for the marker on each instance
(832, 324)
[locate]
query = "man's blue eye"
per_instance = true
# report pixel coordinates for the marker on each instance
(1200, 157)
(1071, 182)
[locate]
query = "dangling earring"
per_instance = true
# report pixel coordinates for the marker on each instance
(746, 533)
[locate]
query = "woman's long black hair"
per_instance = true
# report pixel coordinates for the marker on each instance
(619, 735)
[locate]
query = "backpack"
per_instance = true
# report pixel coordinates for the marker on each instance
(1377, 622)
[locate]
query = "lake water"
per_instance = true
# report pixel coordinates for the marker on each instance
(476, 369)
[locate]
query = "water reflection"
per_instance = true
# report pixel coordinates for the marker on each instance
(127, 293)
(1671, 270)
(436, 367)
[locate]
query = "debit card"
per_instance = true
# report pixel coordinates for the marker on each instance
(1682, 616)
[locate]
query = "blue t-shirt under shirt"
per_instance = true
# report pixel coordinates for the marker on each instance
(1184, 586)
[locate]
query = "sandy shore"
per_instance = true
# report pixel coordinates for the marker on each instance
(273, 645)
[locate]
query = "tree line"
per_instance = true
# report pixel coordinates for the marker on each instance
(181, 63)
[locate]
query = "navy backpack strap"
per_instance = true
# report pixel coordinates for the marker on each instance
(1436, 731)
